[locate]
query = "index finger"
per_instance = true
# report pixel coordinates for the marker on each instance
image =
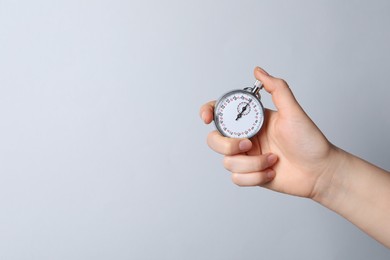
(226, 145)
(207, 112)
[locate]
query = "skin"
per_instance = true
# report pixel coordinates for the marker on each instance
(292, 156)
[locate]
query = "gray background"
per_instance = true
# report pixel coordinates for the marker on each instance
(103, 154)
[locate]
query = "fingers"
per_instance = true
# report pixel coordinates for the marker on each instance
(251, 170)
(226, 145)
(207, 112)
(253, 179)
(282, 96)
(247, 164)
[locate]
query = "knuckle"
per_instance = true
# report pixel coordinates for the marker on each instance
(282, 82)
(221, 145)
(278, 80)
(236, 179)
(227, 162)
(228, 148)
(259, 180)
(210, 138)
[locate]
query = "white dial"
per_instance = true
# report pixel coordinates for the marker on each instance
(239, 114)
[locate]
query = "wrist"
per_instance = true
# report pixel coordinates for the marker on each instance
(358, 191)
(332, 184)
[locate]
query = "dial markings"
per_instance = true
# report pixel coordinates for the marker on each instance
(237, 114)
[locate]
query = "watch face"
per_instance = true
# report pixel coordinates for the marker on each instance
(239, 114)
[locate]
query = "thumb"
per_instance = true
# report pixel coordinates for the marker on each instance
(282, 96)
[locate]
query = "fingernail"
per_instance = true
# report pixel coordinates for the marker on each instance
(245, 145)
(261, 70)
(271, 159)
(270, 174)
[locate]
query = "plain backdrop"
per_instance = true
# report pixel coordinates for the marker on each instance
(102, 151)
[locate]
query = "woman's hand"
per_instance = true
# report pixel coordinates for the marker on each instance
(289, 155)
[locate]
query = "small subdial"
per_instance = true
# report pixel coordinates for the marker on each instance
(243, 108)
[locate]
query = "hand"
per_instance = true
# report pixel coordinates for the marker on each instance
(289, 155)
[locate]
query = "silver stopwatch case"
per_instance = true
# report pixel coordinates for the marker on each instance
(240, 113)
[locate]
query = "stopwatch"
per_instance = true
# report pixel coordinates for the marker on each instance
(240, 113)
